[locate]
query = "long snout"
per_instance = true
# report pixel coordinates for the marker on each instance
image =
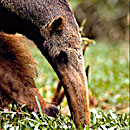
(69, 67)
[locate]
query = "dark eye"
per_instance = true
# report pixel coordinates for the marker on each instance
(62, 57)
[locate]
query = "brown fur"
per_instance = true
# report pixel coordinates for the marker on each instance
(17, 68)
(18, 56)
(17, 74)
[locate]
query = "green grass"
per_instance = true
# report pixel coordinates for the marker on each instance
(109, 73)
(108, 79)
(19, 120)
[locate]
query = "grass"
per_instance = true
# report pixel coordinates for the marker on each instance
(108, 81)
(109, 73)
(19, 120)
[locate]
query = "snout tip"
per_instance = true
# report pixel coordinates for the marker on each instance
(51, 110)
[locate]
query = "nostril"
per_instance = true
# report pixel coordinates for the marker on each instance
(62, 57)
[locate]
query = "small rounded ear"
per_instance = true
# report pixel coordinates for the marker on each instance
(57, 24)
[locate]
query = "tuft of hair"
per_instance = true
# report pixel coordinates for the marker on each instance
(18, 71)
(17, 58)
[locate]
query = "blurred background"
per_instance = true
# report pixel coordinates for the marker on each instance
(104, 18)
(107, 23)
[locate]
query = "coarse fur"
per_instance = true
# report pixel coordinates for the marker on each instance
(17, 75)
(17, 68)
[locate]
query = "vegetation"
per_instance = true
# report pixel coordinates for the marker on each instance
(32, 121)
(109, 73)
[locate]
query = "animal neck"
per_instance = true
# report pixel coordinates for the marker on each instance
(11, 24)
